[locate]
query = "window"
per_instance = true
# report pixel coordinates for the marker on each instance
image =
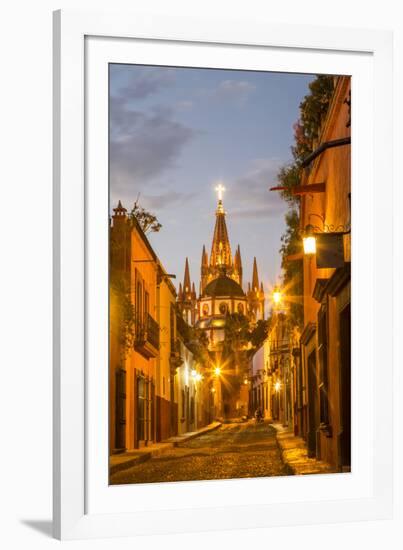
(183, 403)
(146, 302)
(138, 298)
(141, 408)
(145, 408)
(240, 309)
(172, 327)
(223, 308)
(192, 410)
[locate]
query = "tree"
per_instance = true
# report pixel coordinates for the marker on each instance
(147, 221)
(258, 334)
(194, 338)
(289, 177)
(121, 306)
(292, 270)
(313, 109)
(236, 331)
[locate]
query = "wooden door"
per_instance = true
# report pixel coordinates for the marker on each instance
(345, 388)
(312, 404)
(120, 418)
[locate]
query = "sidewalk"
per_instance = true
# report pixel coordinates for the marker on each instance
(295, 456)
(126, 460)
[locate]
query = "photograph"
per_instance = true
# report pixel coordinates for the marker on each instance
(181, 187)
(229, 274)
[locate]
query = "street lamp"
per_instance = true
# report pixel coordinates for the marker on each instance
(309, 241)
(277, 296)
(277, 386)
(217, 371)
(326, 243)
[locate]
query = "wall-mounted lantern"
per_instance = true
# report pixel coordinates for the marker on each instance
(327, 245)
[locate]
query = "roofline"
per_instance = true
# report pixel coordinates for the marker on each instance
(157, 260)
(144, 239)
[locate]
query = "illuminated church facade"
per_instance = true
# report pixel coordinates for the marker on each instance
(221, 293)
(221, 289)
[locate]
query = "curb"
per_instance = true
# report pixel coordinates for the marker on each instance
(288, 468)
(163, 446)
(138, 459)
(290, 471)
(295, 458)
(203, 431)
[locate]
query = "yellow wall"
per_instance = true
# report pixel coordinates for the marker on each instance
(333, 167)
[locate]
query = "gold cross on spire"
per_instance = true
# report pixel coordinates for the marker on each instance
(220, 189)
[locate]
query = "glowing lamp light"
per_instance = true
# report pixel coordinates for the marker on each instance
(277, 386)
(309, 246)
(245, 381)
(217, 371)
(277, 296)
(193, 373)
(309, 241)
(198, 377)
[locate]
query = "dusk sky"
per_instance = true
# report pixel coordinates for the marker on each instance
(176, 132)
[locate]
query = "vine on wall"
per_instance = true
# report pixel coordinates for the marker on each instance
(313, 109)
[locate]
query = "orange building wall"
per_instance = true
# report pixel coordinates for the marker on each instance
(333, 167)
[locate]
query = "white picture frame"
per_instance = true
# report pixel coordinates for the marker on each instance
(84, 505)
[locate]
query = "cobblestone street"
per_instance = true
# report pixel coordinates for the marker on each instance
(233, 451)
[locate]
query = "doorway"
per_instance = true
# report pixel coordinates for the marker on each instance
(145, 417)
(120, 419)
(345, 385)
(312, 404)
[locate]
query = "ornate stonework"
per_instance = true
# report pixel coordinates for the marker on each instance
(221, 286)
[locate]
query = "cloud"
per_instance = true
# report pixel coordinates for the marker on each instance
(237, 91)
(165, 199)
(146, 81)
(229, 87)
(251, 192)
(143, 145)
(184, 105)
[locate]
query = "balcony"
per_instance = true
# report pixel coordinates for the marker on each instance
(147, 337)
(175, 359)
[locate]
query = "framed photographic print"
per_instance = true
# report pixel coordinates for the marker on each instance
(220, 229)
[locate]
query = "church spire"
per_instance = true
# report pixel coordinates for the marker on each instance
(203, 270)
(237, 259)
(238, 265)
(186, 279)
(255, 277)
(204, 258)
(220, 249)
(187, 298)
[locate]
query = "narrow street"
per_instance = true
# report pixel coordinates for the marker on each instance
(232, 451)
